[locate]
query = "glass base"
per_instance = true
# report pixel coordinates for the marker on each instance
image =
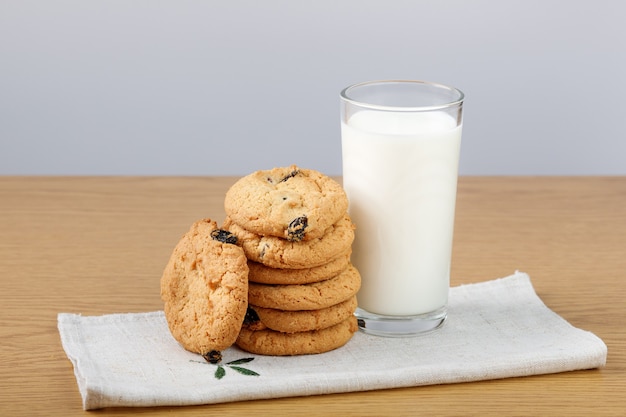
(400, 326)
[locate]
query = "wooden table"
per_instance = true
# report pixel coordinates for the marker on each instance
(98, 245)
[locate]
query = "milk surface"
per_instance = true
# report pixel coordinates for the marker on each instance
(400, 173)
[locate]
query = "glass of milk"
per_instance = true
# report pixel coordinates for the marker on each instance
(400, 147)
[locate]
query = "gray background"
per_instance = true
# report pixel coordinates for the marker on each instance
(227, 87)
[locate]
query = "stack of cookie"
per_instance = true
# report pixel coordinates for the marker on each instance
(294, 229)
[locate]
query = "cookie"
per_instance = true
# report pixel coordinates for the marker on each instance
(280, 253)
(270, 342)
(291, 203)
(266, 275)
(312, 296)
(205, 289)
(304, 320)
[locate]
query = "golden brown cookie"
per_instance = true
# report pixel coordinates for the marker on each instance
(304, 320)
(205, 289)
(280, 253)
(312, 296)
(288, 202)
(262, 274)
(270, 342)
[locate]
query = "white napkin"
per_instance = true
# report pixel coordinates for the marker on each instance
(495, 329)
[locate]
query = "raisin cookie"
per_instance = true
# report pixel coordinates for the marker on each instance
(280, 253)
(266, 275)
(205, 289)
(270, 342)
(304, 320)
(292, 203)
(312, 296)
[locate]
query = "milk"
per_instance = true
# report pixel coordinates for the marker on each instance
(400, 174)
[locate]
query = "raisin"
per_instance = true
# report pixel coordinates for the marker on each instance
(224, 236)
(214, 356)
(263, 250)
(290, 175)
(251, 317)
(297, 229)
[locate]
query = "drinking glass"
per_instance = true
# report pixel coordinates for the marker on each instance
(401, 141)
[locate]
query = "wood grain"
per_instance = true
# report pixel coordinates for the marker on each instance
(97, 245)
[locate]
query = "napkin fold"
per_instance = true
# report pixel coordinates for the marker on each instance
(495, 329)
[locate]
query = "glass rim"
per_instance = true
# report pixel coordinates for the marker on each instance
(345, 96)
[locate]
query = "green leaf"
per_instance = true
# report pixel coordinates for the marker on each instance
(220, 372)
(244, 371)
(240, 361)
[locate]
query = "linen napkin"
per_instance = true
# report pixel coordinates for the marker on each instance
(495, 329)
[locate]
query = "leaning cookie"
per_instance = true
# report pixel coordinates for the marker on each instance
(288, 276)
(280, 253)
(312, 296)
(304, 320)
(205, 289)
(289, 202)
(270, 342)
